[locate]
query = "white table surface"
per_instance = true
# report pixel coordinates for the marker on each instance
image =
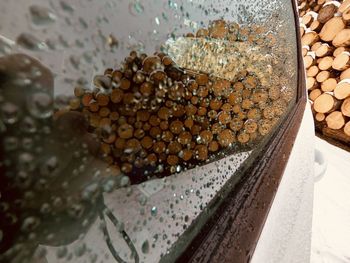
(331, 215)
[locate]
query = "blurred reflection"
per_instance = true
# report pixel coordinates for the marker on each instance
(51, 176)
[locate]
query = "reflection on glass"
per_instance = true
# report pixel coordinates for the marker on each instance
(124, 124)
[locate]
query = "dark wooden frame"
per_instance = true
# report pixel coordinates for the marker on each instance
(232, 233)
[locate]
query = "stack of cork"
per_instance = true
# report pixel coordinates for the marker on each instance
(153, 116)
(325, 39)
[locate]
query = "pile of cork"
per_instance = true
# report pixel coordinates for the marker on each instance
(153, 116)
(325, 39)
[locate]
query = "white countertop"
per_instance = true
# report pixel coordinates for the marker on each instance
(331, 215)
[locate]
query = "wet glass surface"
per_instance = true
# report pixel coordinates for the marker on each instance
(125, 123)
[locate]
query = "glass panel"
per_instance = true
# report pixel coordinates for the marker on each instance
(125, 123)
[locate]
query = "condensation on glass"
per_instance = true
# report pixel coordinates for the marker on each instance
(61, 200)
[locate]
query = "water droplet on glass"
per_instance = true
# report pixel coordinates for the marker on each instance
(164, 16)
(154, 211)
(49, 166)
(66, 6)
(40, 252)
(124, 181)
(9, 113)
(41, 184)
(30, 223)
(142, 211)
(83, 23)
(61, 252)
(27, 143)
(30, 42)
(22, 81)
(93, 258)
(134, 44)
(26, 162)
(41, 15)
(63, 41)
(57, 202)
(75, 61)
(157, 20)
(5, 46)
(10, 144)
(28, 125)
(172, 4)
(142, 200)
(79, 43)
(35, 72)
(145, 247)
(76, 210)
(2, 127)
(112, 41)
(45, 208)
(51, 43)
(90, 191)
(108, 186)
(80, 250)
(40, 105)
(10, 219)
(129, 191)
(136, 8)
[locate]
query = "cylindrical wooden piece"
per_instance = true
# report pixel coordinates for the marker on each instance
(342, 90)
(315, 46)
(339, 50)
(324, 103)
(303, 6)
(302, 30)
(309, 60)
(308, 19)
(342, 38)
(324, 50)
(329, 84)
(316, 26)
(311, 83)
(347, 128)
(304, 50)
(335, 120)
(345, 74)
(346, 16)
(344, 6)
(314, 94)
(320, 116)
(345, 107)
(342, 61)
(312, 71)
(331, 29)
(326, 13)
(323, 75)
(325, 63)
(309, 38)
